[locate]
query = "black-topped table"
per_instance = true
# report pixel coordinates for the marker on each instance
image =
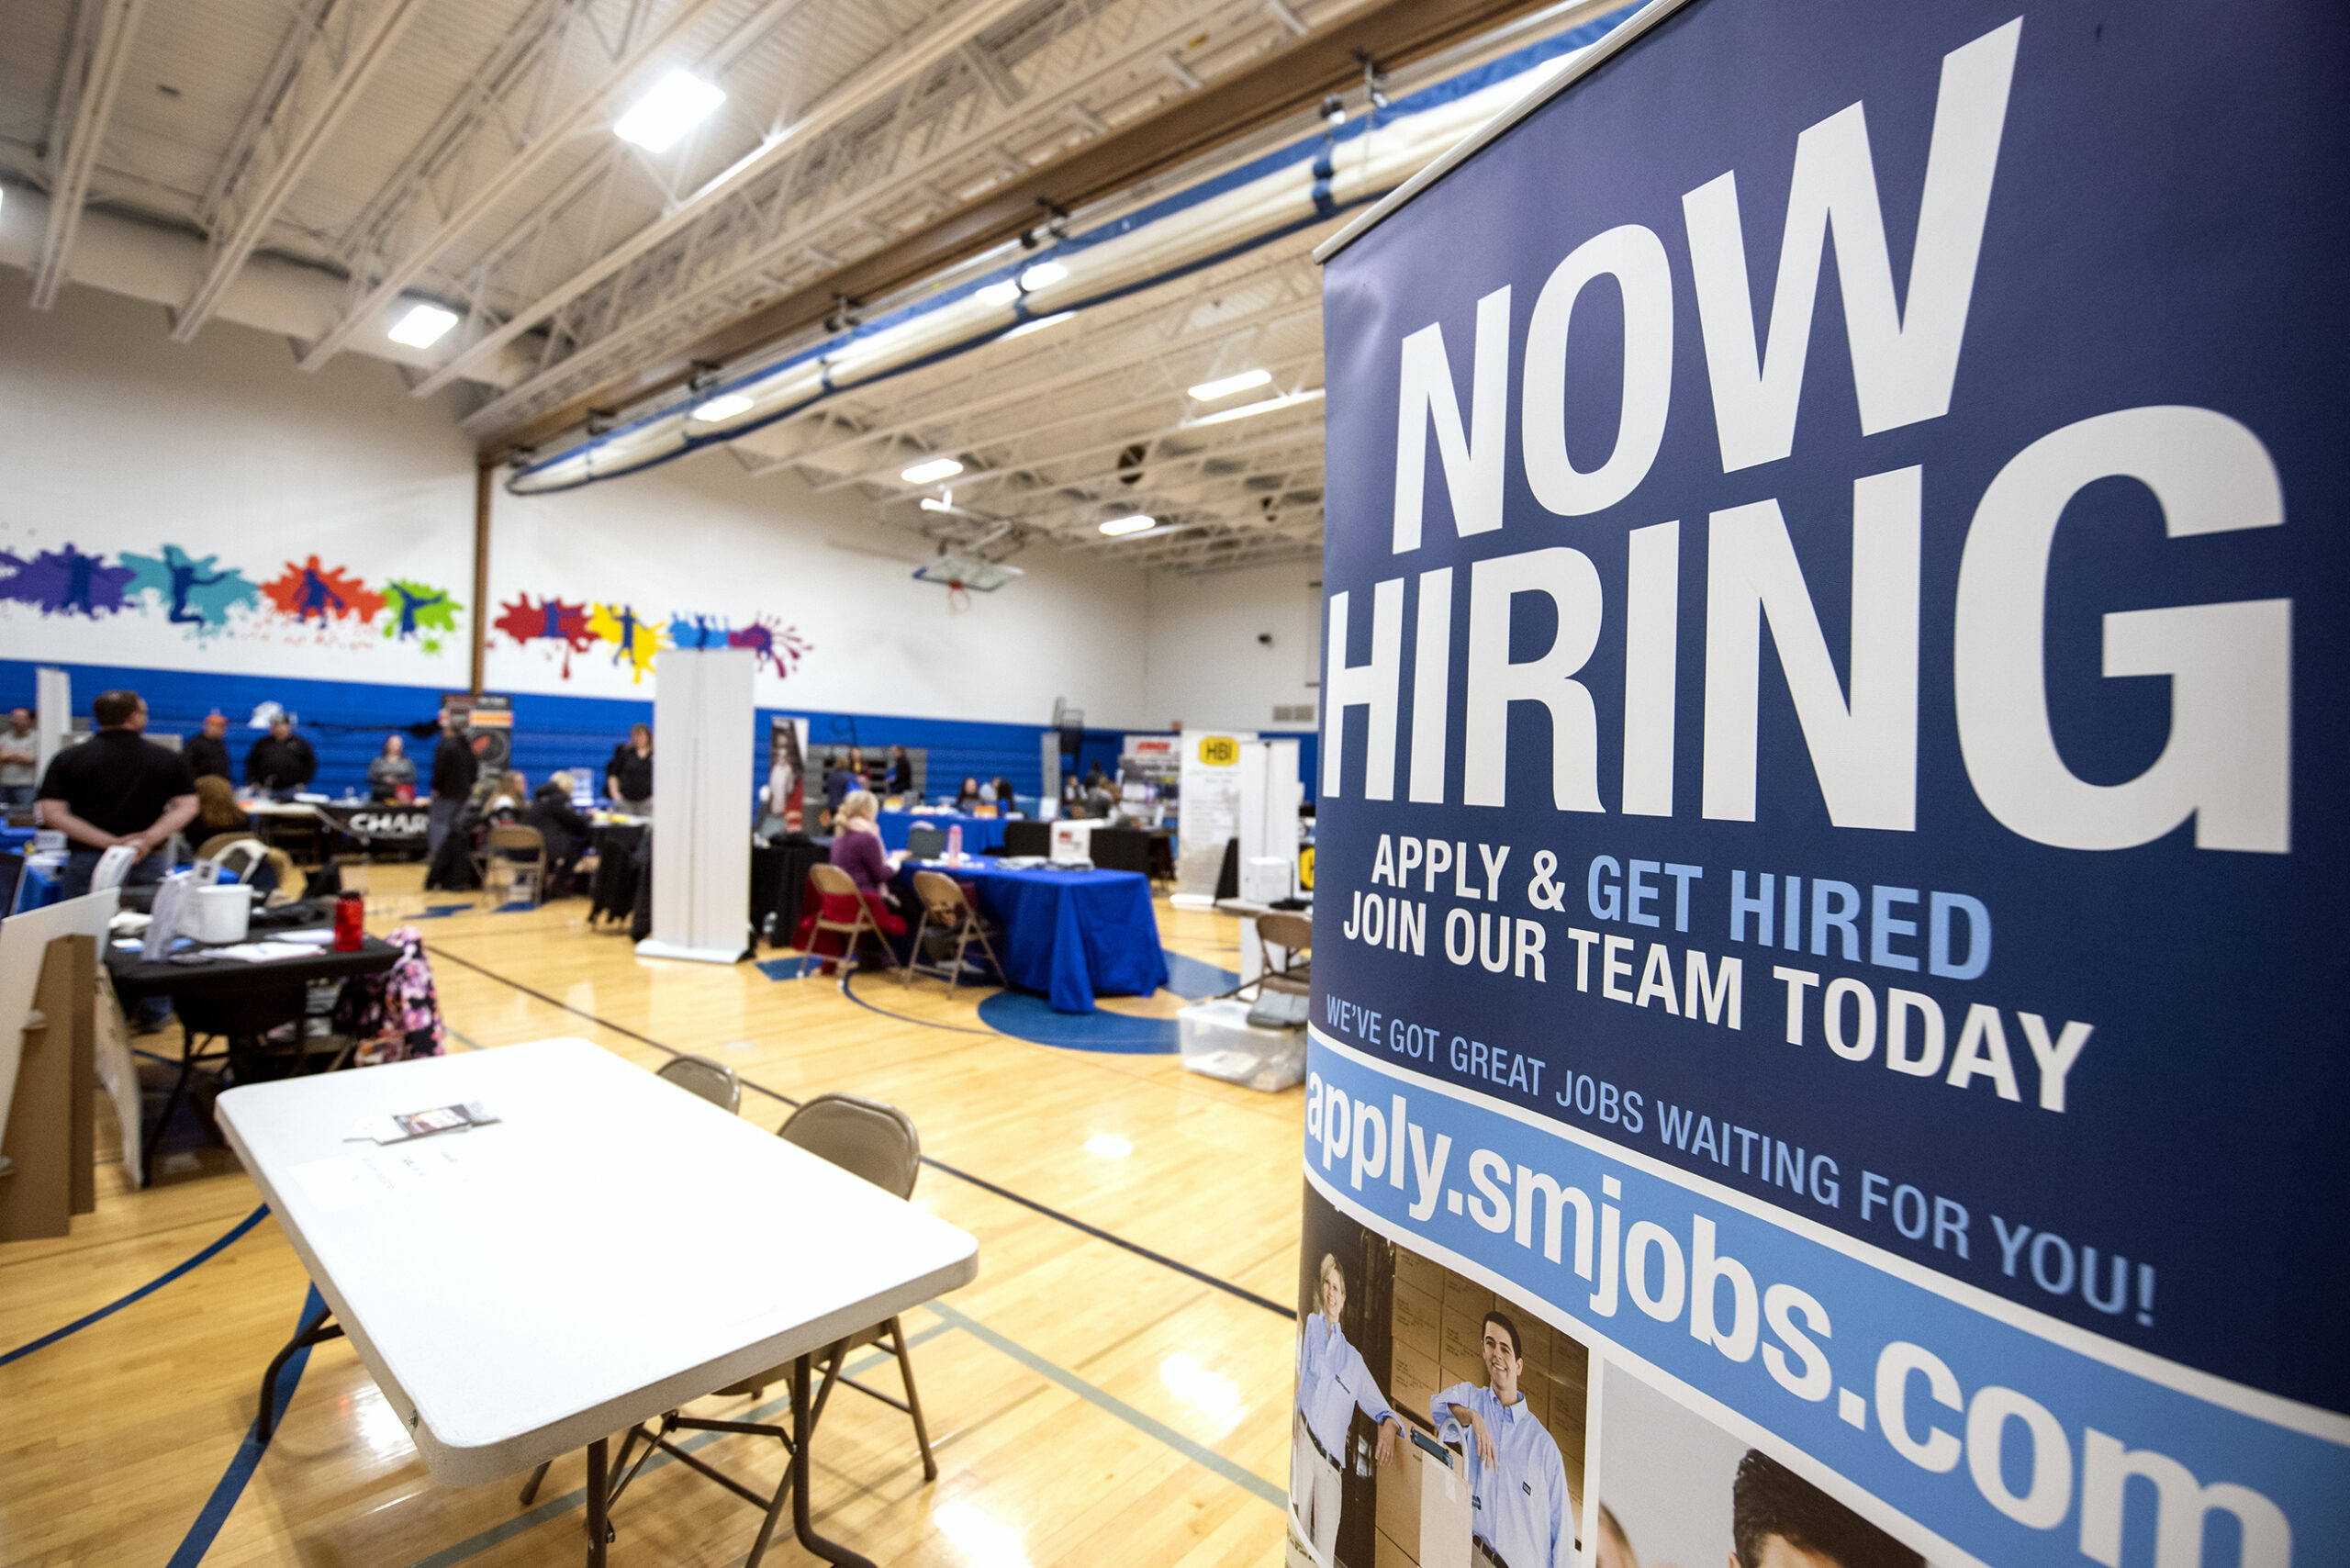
(232, 1000)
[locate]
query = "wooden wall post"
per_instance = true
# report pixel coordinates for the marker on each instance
(485, 484)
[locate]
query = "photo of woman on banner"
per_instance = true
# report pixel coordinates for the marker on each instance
(1332, 1384)
(1522, 1512)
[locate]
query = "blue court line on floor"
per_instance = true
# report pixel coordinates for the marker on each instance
(1197, 1453)
(1026, 1016)
(1047, 1210)
(158, 1283)
(847, 991)
(1195, 979)
(231, 1485)
(554, 1507)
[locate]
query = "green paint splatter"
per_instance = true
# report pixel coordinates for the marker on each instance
(418, 608)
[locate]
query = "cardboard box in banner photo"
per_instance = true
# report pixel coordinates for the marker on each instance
(1828, 893)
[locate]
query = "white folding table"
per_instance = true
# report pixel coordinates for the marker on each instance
(612, 1249)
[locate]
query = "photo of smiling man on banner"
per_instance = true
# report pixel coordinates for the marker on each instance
(1522, 1514)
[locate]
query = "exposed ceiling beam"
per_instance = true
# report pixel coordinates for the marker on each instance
(99, 49)
(397, 275)
(344, 49)
(887, 75)
(1286, 82)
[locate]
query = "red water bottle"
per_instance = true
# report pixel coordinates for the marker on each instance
(350, 922)
(955, 845)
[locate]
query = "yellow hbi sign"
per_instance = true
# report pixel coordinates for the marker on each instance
(1219, 751)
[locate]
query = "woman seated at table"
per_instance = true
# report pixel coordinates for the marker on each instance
(391, 769)
(968, 796)
(857, 850)
(1006, 797)
(508, 802)
(563, 829)
(216, 809)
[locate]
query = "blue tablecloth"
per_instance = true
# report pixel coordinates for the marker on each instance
(978, 833)
(1070, 934)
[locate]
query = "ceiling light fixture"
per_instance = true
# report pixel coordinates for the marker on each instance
(932, 503)
(1138, 524)
(1044, 274)
(1265, 407)
(677, 103)
(725, 407)
(1209, 391)
(930, 472)
(1002, 293)
(1038, 325)
(423, 326)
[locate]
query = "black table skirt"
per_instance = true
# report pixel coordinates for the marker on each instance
(134, 978)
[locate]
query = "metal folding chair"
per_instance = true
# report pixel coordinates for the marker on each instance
(520, 854)
(714, 1082)
(1291, 935)
(831, 882)
(945, 909)
(868, 1138)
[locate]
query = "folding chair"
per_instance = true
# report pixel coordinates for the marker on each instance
(947, 912)
(867, 1139)
(714, 1082)
(522, 853)
(831, 882)
(1292, 935)
(238, 853)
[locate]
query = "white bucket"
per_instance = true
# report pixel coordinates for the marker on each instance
(221, 913)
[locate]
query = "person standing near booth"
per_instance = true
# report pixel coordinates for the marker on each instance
(117, 788)
(19, 758)
(281, 762)
(1333, 1383)
(628, 777)
(208, 750)
(454, 769)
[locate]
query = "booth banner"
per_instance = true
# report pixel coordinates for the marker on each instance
(1832, 879)
(1208, 808)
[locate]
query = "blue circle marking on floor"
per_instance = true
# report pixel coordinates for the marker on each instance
(1026, 1016)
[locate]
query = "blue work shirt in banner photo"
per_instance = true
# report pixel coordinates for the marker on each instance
(1831, 867)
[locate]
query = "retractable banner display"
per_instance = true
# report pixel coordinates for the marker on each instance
(1827, 1037)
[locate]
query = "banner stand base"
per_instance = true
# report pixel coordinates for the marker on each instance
(1190, 901)
(654, 948)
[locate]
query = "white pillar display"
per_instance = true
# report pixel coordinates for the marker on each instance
(52, 714)
(702, 760)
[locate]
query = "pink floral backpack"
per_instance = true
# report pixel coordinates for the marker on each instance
(395, 1015)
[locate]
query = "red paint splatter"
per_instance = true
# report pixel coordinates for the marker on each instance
(310, 592)
(551, 621)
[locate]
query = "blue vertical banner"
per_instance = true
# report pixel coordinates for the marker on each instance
(1832, 882)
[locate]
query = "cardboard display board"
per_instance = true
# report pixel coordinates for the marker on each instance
(1831, 890)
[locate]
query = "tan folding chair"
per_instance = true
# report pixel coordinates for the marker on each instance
(1292, 933)
(240, 853)
(867, 1139)
(714, 1082)
(945, 909)
(833, 882)
(520, 853)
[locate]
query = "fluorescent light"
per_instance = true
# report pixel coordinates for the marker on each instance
(1002, 293)
(677, 103)
(1044, 274)
(937, 468)
(1038, 325)
(423, 326)
(1108, 1147)
(725, 407)
(1135, 524)
(1264, 407)
(1209, 391)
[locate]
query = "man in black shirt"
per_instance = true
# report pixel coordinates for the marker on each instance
(281, 761)
(207, 754)
(454, 769)
(117, 788)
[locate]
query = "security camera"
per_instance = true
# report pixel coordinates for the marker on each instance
(1265, 638)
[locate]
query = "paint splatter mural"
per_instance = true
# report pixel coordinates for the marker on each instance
(635, 641)
(421, 611)
(64, 582)
(552, 621)
(309, 591)
(192, 592)
(312, 603)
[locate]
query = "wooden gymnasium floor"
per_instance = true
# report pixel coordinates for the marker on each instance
(1114, 1388)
